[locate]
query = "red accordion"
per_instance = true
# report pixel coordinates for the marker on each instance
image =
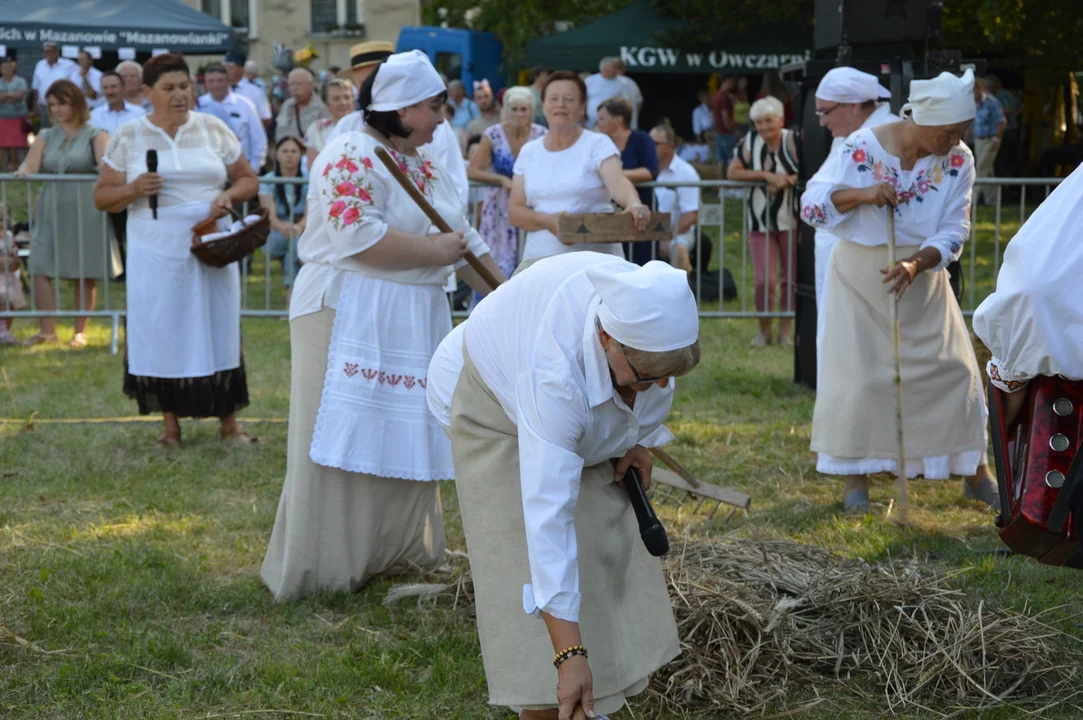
(1038, 471)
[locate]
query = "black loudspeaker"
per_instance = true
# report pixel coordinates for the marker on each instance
(875, 22)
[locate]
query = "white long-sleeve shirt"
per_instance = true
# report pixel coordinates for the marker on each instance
(241, 116)
(105, 118)
(45, 75)
(444, 148)
(934, 197)
(535, 343)
(256, 95)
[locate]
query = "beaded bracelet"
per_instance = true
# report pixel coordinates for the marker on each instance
(567, 653)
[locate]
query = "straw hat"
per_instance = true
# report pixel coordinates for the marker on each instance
(365, 54)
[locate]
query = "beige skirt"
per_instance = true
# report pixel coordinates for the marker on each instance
(335, 529)
(853, 425)
(625, 615)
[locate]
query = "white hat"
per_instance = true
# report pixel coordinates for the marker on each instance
(944, 100)
(649, 308)
(404, 79)
(850, 86)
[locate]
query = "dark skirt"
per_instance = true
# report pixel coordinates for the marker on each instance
(219, 395)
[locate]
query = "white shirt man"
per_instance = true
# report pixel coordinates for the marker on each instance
(847, 100)
(237, 112)
(682, 203)
(114, 110)
(631, 92)
(244, 87)
(90, 80)
(606, 84)
(702, 120)
(48, 70)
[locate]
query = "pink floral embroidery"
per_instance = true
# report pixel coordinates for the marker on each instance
(347, 191)
(370, 374)
(419, 170)
(815, 214)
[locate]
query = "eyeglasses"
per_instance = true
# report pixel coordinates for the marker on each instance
(635, 373)
(824, 113)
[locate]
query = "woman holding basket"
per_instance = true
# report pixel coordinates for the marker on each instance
(367, 312)
(183, 322)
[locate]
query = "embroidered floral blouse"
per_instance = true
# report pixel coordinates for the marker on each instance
(353, 201)
(934, 197)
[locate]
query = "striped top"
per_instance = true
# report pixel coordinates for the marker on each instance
(770, 212)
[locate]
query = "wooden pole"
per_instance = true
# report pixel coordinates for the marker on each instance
(434, 217)
(896, 342)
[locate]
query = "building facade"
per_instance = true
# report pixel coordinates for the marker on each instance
(330, 26)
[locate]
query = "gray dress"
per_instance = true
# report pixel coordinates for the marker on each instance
(69, 237)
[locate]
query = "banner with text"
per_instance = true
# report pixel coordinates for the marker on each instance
(191, 41)
(663, 59)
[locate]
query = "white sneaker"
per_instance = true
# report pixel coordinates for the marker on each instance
(6, 338)
(758, 341)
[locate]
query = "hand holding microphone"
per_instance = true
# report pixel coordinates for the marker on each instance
(152, 181)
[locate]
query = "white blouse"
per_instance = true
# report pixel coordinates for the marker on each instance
(551, 377)
(352, 202)
(1033, 322)
(196, 169)
(934, 197)
(566, 181)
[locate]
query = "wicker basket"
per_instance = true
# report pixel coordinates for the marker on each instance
(223, 251)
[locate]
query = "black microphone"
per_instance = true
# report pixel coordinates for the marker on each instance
(152, 166)
(650, 529)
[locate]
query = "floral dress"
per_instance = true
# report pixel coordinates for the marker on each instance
(499, 234)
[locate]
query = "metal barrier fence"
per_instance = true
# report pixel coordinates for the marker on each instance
(722, 223)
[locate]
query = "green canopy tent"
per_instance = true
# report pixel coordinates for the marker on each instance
(633, 34)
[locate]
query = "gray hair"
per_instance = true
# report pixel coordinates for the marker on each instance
(669, 137)
(251, 66)
(456, 85)
(515, 95)
(605, 62)
(766, 107)
(130, 63)
(670, 363)
(50, 46)
(301, 73)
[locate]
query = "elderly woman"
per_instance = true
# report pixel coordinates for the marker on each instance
(493, 164)
(367, 313)
(768, 154)
(339, 104)
(539, 409)
(184, 318)
(570, 170)
(69, 239)
(13, 116)
(919, 170)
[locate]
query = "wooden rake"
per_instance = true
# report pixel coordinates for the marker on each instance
(689, 489)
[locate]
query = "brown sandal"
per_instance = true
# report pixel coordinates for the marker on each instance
(168, 441)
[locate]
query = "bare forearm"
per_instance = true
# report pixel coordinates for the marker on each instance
(637, 175)
(114, 198)
(687, 222)
(243, 189)
(743, 173)
(846, 200)
(484, 176)
(524, 218)
(399, 251)
(926, 259)
(562, 633)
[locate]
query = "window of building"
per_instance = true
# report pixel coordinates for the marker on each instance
(338, 17)
(239, 14)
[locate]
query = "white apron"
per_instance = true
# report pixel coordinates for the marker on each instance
(374, 417)
(184, 317)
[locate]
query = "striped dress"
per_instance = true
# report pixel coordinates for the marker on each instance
(769, 212)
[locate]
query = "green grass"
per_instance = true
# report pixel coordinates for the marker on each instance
(133, 571)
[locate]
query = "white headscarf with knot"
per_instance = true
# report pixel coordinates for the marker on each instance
(649, 308)
(850, 87)
(944, 100)
(404, 79)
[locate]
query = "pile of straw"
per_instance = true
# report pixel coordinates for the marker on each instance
(764, 623)
(761, 622)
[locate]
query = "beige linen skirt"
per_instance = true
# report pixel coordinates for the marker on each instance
(625, 619)
(853, 425)
(335, 529)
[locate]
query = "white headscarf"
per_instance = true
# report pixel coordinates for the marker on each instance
(404, 79)
(850, 86)
(649, 308)
(944, 100)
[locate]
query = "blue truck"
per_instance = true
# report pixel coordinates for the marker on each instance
(464, 55)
